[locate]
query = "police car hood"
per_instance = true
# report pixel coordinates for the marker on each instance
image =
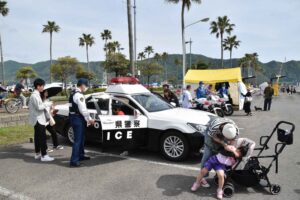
(183, 115)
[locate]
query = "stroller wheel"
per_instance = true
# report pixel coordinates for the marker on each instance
(275, 189)
(228, 190)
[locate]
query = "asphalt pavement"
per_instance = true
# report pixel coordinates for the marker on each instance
(144, 174)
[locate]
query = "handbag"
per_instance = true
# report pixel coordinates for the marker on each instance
(248, 99)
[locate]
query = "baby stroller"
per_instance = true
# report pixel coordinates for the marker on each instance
(253, 172)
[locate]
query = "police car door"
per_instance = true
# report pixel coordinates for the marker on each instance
(123, 125)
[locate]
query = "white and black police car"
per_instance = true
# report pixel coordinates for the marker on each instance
(148, 122)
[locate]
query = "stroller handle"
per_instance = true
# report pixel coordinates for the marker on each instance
(288, 123)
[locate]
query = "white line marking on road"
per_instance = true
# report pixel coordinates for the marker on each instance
(148, 161)
(13, 195)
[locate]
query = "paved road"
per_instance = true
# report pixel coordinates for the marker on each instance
(144, 175)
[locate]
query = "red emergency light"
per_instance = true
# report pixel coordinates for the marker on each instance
(124, 80)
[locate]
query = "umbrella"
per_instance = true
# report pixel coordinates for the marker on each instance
(53, 89)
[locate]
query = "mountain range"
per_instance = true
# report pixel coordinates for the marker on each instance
(290, 69)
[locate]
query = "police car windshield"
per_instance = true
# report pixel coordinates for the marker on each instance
(151, 102)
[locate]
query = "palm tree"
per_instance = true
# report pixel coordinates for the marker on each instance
(141, 56)
(105, 35)
(51, 27)
(3, 11)
(117, 46)
(111, 47)
(87, 40)
(157, 56)
(184, 4)
(149, 50)
(219, 27)
(229, 44)
(250, 59)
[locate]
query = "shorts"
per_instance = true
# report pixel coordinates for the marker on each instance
(213, 163)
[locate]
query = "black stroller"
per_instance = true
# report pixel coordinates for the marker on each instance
(254, 172)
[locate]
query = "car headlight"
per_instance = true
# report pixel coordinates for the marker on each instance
(198, 127)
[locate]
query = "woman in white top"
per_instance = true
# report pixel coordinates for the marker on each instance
(49, 127)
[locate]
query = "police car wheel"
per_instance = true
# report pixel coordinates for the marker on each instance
(70, 134)
(174, 146)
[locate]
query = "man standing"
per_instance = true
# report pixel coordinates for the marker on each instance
(19, 88)
(79, 119)
(187, 97)
(268, 94)
(37, 118)
(201, 91)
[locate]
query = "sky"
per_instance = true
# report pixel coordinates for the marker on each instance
(269, 27)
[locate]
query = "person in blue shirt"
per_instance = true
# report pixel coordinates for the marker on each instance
(223, 91)
(201, 91)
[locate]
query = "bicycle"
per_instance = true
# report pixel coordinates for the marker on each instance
(13, 105)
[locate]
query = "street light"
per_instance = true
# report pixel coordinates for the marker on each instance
(190, 42)
(184, 43)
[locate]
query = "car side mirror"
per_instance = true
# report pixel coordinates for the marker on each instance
(137, 113)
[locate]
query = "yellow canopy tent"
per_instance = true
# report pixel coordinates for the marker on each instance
(212, 76)
(209, 76)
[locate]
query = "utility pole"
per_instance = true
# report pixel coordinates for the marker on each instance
(2, 62)
(130, 36)
(134, 21)
(190, 43)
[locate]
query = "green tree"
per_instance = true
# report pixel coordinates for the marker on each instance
(105, 35)
(229, 44)
(185, 4)
(64, 68)
(4, 12)
(150, 69)
(148, 50)
(164, 57)
(177, 63)
(117, 63)
(200, 64)
(51, 27)
(82, 73)
(87, 40)
(219, 27)
(26, 73)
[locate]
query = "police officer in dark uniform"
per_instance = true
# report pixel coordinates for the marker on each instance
(79, 119)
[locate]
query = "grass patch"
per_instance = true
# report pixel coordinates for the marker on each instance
(15, 134)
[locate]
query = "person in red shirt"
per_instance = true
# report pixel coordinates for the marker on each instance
(118, 111)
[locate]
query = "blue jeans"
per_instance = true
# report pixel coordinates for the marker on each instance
(78, 124)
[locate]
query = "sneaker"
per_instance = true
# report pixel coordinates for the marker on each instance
(204, 183)
(37, 156)
(195, 186)
(46, 158)
(49, 150)
(59, 147)
(219, 194)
